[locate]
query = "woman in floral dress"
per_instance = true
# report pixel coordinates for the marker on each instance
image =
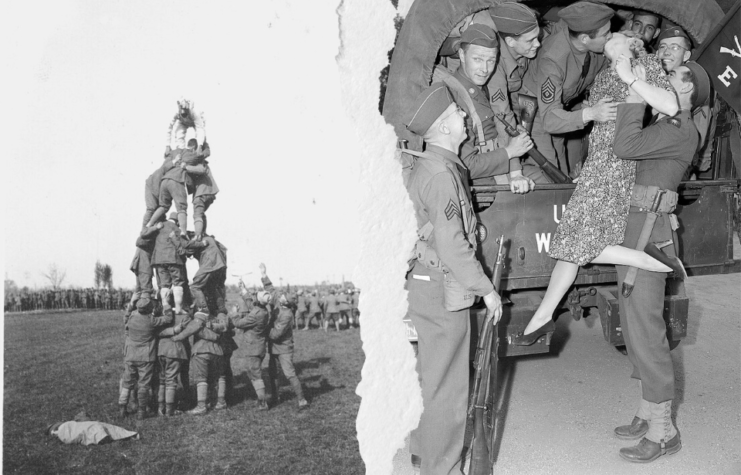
(593, 224)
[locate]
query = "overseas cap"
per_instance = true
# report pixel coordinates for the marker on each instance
(673, 31)
(513, 18)
(586, 16)
(144, 306)
(428, 106)
(480, 35)
(173, 216)
(702, 82)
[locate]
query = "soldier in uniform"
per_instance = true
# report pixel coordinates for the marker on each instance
(255, 326)
(280, 346)
(209, 281)
(140, 353)
(186, 117)
(315, 311)
(518, 30)
(343, 304)
(663, 150)
(169, 263)
(355, 309)
(565, 67)
(488, 152)
(675, 50)
(332, 310)
(445, 256)
(646, 25)
(172, 356)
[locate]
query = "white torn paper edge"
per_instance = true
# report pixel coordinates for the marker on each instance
(391, 397)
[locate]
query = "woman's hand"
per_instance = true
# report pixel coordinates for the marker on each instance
(624, 70)
(639, 71)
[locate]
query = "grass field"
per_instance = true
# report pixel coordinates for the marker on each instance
(58, 364)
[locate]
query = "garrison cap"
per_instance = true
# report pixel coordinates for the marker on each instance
(144, 305)
(702, 82)
(481, 35)
(586, 16)
(673, 31)
(428, 106)
(513, 18)
(173, 216)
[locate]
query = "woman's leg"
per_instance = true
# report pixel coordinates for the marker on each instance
(625, 256)
(561, 279)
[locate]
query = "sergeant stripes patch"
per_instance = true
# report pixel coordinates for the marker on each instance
(548, 91)
(499, 96)
(452, 210)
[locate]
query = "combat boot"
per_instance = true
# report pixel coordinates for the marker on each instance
(198, 410)
(262, 405)
(141, 413)
(662, 437)
(638, 428)
(635, 430)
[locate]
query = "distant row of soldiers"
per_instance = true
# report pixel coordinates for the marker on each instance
(92, 299)
(340, 306)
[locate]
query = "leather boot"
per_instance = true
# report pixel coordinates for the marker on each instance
(662, 437)
(635, 430)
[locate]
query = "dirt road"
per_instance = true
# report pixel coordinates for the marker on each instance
(563, 406)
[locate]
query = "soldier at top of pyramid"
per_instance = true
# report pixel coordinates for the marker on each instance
(187, 116)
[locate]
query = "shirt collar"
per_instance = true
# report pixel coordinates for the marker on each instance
(446, 154)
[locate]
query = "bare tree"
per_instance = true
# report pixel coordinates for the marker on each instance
(55, 276)
(98, 274)
(107, 276)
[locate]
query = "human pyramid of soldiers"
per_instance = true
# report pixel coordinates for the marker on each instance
(159, 325)
(91, 299)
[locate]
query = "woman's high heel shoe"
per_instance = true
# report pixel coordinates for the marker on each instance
(526, 340)
(672, 262)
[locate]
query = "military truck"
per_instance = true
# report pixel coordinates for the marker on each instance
(707, 208)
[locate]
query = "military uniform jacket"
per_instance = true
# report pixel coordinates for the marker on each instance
(280, 337)
(255, 326)
(314, 306)
(207, 339)
(166, 249)
(665, 149)
(211, 254)
(178, 173)
(343, 302)
(481, 165)
(512, 71)
(152, 184)
(555, 77)
(300, 303)
(355, 300)
(142, 262)
(331, 306)
(141, 344)
(173, 349)
(433, 186)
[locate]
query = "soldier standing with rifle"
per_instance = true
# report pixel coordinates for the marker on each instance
(444, 278)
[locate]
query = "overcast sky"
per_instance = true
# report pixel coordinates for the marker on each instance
(91, 97)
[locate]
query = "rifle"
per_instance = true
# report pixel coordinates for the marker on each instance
(481, 413)
(556, 175)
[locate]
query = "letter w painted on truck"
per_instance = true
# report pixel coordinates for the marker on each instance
(543, 240)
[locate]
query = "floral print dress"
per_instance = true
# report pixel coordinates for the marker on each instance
(597, 212)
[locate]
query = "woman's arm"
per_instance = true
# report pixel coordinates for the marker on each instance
(660, 99)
